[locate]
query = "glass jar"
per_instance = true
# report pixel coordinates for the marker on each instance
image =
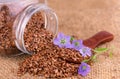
(21, 12)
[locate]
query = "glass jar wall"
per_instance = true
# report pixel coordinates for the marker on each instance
(14, 16)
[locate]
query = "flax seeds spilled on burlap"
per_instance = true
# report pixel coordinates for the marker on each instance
(48, 60)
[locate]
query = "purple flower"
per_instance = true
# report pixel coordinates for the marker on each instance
(62, 41)
(77, 44)
(84, 69)
(85, 51)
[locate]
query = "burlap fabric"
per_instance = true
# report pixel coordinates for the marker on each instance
(83, 18)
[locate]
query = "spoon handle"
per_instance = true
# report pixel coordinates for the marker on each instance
(97, 39)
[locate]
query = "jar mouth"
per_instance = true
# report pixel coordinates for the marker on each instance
(8, 1)
(18, 1)
(25, 16)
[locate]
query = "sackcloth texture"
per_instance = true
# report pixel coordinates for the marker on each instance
(82, 18)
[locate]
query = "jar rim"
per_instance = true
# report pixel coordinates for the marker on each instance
(9, 1)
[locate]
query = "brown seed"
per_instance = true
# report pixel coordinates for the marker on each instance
(48, 60)
(7, 45)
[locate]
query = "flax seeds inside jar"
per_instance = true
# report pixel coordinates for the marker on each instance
(23, 23)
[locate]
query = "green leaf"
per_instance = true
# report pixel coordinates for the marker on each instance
(111, 54)
(95, 60)
(94, 57)
(86, 60)
(100, 50)
(72, 38)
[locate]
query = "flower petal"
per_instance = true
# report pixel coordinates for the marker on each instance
(56, 41)
(85, 51)
(60, 35)
(68, 45)
(79, 44)
(85, 71)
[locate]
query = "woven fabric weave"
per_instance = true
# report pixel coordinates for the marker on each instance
(82, 18)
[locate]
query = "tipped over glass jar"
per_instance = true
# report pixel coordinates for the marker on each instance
(23, 23)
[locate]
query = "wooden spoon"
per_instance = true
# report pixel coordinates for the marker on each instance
(97, 39)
